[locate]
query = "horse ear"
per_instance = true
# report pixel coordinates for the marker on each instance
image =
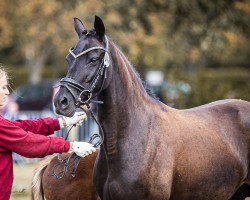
(78, 26)
(99, 27)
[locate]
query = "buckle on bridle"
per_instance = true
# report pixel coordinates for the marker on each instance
(85, 93)
(106, 60)
(96, 140)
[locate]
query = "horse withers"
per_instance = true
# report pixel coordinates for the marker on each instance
(67, 187)
(150, 150)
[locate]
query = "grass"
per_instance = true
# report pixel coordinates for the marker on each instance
(21, 189)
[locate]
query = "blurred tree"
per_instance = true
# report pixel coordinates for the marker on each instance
(213, 84)
(6, 35)
(38, 29)
(157, 34)
(204, 27)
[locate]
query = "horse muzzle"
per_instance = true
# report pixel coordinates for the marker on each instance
(64, 103)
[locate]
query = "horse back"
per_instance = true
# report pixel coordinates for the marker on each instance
(214, 141)
(200, 144)
(231, 113)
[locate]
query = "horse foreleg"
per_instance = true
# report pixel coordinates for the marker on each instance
(100, 172)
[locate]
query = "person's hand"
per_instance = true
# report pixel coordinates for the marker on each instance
(76, 119)
(82, 149)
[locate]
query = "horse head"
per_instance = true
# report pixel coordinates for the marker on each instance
(87, 63)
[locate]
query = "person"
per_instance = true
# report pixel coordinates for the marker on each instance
(30, 138)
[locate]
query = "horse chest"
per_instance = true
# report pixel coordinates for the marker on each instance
(133, 186)
(117, 189)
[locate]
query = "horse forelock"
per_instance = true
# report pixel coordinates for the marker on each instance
(141, 82)
(91, 32)
(86, 33)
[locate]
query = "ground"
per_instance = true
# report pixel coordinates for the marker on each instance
(22, 181)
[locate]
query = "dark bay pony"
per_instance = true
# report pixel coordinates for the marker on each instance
(150, 150)
(79, 187)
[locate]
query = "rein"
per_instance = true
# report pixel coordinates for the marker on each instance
(71, 161)
(68, 83)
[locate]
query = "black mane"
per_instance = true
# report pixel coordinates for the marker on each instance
(149, 90)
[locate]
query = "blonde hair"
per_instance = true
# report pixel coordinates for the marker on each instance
(3, 72)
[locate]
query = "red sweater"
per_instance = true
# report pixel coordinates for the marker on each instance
(27, 138)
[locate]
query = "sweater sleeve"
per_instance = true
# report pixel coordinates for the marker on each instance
(42, 126)
(26, 143)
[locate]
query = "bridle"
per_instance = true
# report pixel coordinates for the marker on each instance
(69, 83)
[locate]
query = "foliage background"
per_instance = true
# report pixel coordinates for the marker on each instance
(202, 43)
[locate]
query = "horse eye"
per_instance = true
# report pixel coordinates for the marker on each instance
(93, 60)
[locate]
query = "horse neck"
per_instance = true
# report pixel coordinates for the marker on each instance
(125, 104)
(125, 94)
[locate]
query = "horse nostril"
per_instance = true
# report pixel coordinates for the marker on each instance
(64, 101)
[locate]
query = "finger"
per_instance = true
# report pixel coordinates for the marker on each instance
(82, 117)
(79, 122)
(81, 113)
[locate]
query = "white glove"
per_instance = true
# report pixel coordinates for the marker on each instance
(83, 149)
(76, 119)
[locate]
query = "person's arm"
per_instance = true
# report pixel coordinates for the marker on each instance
(42, 126)
(28, 144)
(47, 126)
